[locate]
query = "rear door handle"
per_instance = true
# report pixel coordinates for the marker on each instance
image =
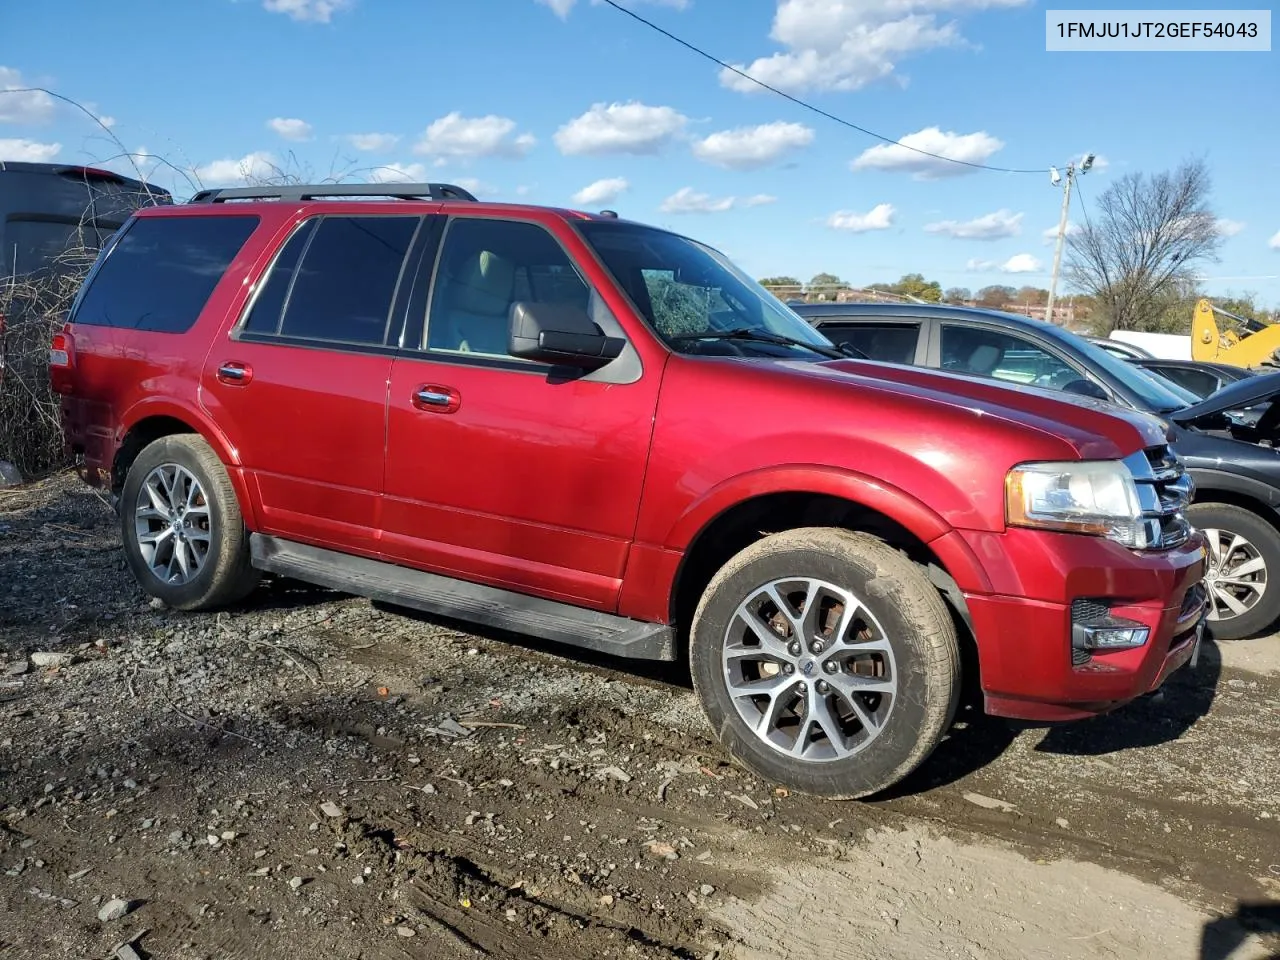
(235, 374)
(436, 399)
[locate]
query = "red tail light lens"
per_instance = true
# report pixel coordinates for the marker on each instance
(62, 358)
(60, 351)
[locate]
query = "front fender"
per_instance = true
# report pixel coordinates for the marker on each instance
(919, 519)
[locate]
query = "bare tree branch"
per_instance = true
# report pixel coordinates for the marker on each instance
(1141, 250)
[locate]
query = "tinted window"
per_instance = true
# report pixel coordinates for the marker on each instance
(990, 353)
(268, 306)
(159, 275)
(1200, 382)
(343, 289)
(887, 342)
(35, 245)
(485, 267)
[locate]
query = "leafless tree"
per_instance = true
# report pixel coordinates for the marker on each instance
(1144, 244)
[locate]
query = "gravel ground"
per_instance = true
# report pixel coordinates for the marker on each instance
(315, 774)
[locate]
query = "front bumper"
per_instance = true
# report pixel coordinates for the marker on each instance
(1024, 634)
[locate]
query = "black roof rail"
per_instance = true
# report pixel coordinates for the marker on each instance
(316, 191)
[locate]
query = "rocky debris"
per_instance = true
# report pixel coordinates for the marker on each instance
(989, 803)
(18, 668)
(44, 658)
(10, 476)
(315, 771)
(114, 909)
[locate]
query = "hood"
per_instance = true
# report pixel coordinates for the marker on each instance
(1248, 392)
(1095, 428)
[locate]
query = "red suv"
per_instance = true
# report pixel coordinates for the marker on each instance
(604, 434)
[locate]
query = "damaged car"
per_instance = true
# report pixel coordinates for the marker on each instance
(1228, 441)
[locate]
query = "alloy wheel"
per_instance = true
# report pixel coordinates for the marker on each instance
(172, 524)
(1237, 574)
(809, 669)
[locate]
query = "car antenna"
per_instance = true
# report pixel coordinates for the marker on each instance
(611, 214)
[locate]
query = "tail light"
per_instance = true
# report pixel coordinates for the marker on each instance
(62, 355)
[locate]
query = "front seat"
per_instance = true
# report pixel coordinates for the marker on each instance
(481, 294)
(984, 359)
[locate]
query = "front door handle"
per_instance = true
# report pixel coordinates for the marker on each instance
(436, 399)
(235, 374)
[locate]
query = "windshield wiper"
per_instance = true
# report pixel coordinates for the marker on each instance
(759, 336)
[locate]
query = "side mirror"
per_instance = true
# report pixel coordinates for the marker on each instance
(561, 334)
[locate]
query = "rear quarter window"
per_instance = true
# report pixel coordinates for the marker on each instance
(161, 272)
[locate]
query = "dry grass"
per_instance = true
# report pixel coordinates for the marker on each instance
(34, 308)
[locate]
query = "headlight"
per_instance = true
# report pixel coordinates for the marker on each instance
(1098, 498)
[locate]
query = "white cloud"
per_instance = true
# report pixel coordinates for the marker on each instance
(631, 127)
(399, 173)
(290, 128)
(688, 200)
(315, 11)
(1050, 234)
(903, 157)
(1274, 242)
(454, 135)
(1229, 228)
(759, 200)
(847, 44)
(561, 8)
(991, 226)
(28, 151)
(475, 187)
(879, 217)
(253, 166)
(981, 266)
(28, 107)
(373, 142)
(1021, 263)
(750, 148)
(106, 121)
(602, 191)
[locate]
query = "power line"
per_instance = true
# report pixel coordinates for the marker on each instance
(804, 103)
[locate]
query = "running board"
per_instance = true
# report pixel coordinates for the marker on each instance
(463, 600)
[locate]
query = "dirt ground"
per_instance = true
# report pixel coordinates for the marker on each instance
(314, 776)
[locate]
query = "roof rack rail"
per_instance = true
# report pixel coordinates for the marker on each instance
(316, 191)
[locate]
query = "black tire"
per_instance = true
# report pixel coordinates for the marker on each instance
(1264, 538)
(225, 575)
(912, 618)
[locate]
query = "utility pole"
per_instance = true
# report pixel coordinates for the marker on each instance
(1055, 179)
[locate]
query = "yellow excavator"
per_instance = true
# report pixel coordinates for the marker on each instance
(1259, 347)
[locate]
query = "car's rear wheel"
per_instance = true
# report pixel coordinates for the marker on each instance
(826, 661)
(1244, 564)
(184, 535)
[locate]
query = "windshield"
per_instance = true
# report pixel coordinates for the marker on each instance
(695, 299)
(1152, 390)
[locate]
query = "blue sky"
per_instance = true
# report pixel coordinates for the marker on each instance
(569, 102)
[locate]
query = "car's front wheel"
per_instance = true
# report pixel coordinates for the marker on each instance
(1244, 562)
(184, 536)
(826, 661)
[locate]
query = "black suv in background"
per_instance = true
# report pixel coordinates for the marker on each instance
(1229, 441)
(47, 207)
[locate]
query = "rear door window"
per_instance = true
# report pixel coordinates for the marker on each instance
(335, 280)
(1002, 356)
(886, 341)
(161, 272)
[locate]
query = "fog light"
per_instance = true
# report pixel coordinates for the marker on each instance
(1109, 635)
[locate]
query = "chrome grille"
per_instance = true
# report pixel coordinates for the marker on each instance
(1165, 490)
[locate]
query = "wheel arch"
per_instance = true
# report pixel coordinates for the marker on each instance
(823, 498)
(150, 421)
